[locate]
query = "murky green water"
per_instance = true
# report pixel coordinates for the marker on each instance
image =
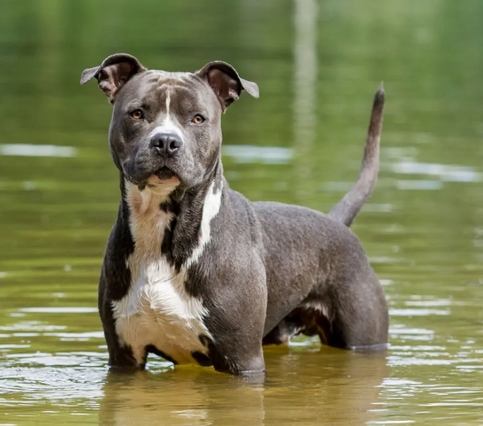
(317, 65)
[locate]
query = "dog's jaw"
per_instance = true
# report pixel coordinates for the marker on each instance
(162, 187)
(154, 192)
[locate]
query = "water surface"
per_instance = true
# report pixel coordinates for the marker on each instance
(317, 65)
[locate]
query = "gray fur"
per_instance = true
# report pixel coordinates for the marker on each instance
(266, 271)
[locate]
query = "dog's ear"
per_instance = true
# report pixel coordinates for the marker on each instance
(113, 73)
(226, 83)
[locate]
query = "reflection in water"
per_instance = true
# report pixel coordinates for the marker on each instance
(296, 390)
(27, 150)
(185, 397)
(258, 154)
(445, 172)
(305, 91)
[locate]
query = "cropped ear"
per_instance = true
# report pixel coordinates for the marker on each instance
(113, 73)
(226, 83)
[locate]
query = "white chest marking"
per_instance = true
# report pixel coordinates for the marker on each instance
(157, 309)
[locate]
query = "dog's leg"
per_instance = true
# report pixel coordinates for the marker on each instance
(236, 321)
(234, 356)
(120, 357)
(237, 348)
(114, 283)
(290, 326)
(356, 315)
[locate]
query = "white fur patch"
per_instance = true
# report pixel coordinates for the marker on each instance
(157, 309)
(168, 125)
(211, 207)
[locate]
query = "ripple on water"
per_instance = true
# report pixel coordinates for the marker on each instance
(64, 379)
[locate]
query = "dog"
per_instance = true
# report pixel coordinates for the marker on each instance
(196, 273)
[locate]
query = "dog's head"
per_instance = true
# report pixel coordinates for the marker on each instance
(166, 126)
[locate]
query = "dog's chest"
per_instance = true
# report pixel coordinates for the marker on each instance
(157, 311)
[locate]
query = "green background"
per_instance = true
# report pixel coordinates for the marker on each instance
(318, 64)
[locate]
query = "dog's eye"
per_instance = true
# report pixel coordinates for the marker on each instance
(137, 114)
(198, 119)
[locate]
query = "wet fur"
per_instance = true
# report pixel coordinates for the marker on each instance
(233, 274)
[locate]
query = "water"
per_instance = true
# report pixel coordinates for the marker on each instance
(317, 65)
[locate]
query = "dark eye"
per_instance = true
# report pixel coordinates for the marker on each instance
(137, 114)
(198, 119)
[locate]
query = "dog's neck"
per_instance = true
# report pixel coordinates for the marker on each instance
(166, 220)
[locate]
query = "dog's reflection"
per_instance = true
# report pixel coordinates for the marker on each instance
(307, 387)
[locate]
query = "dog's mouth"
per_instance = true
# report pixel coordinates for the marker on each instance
(165, 174)
(163, 177)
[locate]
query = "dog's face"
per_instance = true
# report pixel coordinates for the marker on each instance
(166, 127)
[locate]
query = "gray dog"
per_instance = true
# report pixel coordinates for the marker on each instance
(193, 271)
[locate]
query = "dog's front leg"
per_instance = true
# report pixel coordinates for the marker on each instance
(236, 322)
(235, 356)
(120, 356)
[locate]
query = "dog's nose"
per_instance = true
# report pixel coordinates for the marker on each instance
(166, 144)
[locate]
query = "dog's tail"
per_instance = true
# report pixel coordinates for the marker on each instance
(346, 209)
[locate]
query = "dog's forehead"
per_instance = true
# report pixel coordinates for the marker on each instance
(154, 86)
